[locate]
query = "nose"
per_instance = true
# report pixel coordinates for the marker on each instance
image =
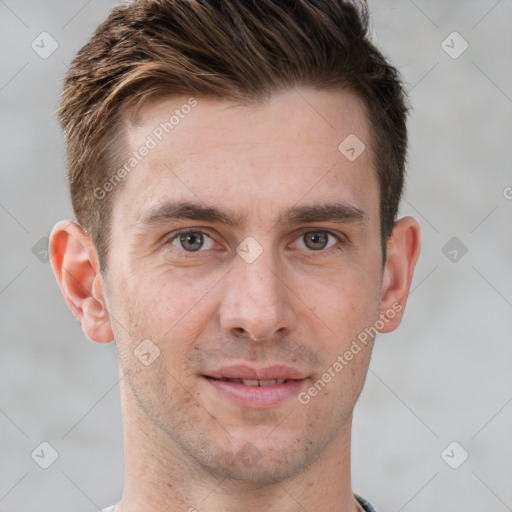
(258, 302)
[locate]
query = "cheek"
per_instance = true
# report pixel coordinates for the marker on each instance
(346, 301)
(163, 301)
(173, 310)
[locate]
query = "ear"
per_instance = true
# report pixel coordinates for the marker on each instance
(75, 265)
(402, 253)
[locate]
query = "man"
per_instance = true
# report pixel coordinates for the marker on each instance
(235, 168)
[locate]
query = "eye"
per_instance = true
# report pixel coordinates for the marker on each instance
(192, 241)
(317, 240)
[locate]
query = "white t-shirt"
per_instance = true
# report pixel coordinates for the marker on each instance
(109, 509)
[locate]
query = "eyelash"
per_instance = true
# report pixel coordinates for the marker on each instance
(191, 254)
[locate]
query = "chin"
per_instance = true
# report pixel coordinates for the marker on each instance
(256, 463)
(267, 472)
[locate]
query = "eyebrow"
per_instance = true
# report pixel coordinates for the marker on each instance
(331, 212)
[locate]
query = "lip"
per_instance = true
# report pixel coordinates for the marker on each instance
(242, 371)
(256, 397)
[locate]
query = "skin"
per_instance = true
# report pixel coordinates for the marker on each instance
(186, 446)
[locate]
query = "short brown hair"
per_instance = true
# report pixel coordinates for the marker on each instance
(242, 50)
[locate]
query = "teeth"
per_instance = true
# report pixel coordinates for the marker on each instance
(268, 382)
(252, 382)
(263, 382)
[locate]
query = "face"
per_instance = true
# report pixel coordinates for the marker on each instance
(246, 248)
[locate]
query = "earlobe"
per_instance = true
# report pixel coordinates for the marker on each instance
(402, 254)
(75, 265)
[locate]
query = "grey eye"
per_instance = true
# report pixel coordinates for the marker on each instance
(317, 240)
(192, 241)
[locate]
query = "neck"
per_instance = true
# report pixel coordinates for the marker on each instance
(160, 476)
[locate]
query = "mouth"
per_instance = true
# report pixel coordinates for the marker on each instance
(256, 388)
(251, 382)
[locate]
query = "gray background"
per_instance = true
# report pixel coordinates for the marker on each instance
(444, 376)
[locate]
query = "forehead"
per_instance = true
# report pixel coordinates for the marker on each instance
(302, 145)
